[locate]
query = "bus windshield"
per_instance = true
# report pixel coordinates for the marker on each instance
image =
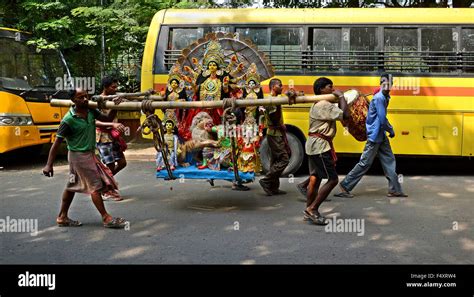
(22, 68)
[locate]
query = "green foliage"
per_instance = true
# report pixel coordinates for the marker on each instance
(76, 28)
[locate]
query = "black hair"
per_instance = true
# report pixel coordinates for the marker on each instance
(217, 64)
(71, 93)
(175, 128)
(273, 82)
(387, 76)
(177, 81)
(107, 81)
(320, 84)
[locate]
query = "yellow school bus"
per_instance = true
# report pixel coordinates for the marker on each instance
(429, 51)
(27, 82)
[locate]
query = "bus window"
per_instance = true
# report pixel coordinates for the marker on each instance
(363, 39)
(47, 68)
(327, 39)
(286, 45)
(363, 45)
(438, 49)
(259, 36)
(437, 39)
(27, 68)
(467, 49)
(216, 29)
(180, 38)
(327, 46)
(400, 49)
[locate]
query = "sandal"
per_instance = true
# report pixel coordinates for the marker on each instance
(397, 195)
(111, 196)
(116, 223)
(306, 217)
(278, 192)
(69, 223)
(240, 187)
(344, 195)
(317, 220)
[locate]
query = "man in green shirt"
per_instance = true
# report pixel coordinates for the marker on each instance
(86, 173)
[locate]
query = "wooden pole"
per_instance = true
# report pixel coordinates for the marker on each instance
(131, 96)
(137, 106)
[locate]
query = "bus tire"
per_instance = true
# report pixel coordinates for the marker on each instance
(296, 159)
(34, 151)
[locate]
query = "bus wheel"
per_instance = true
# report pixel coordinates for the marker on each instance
(33, 152)
(296, 159)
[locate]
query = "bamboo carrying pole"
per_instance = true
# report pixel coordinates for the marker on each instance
(150, 94)
(137, 106)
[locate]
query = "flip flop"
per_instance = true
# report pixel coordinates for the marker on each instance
(317, 220)
(344, 195)
(116, 223)
(397, 195)
(240, 187)
(111, 196)
(69, 223)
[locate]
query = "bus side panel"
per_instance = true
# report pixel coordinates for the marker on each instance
(43, 112)
(10, 138)
(468, 135)
(149, 51)
(416, 134)
(345, 143)
(298, 117)
(12, 104)
(14, 137)
(427, 133)
(147, 77)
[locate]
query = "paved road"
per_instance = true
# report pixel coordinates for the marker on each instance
(192, 222)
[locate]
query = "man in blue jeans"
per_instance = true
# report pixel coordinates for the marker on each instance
(377, 125)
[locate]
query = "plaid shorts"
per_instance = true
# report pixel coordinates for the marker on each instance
(109, 152)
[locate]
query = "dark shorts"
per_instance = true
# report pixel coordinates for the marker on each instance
(322, 166)
(109, 152)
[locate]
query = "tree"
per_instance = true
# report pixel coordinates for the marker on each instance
(76, 28)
